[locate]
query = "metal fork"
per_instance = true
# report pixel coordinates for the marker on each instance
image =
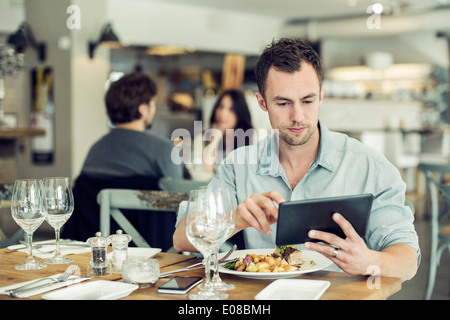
(61, 278)
(193, 266)
(197, 265)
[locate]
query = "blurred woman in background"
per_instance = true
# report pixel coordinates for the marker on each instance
(230, 124)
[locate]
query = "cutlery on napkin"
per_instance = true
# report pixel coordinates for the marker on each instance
(46, 249)
(41, 288)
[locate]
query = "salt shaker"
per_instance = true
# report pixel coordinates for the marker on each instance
(99, 265)
(119, 242)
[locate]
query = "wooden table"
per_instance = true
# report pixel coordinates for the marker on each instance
(343, 286)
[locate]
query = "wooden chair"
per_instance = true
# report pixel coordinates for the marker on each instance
(434, 174)
(85, 219)
(112, 201)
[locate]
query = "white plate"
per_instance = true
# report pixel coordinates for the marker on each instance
(143, 252)
(95, 290)
(293, 289)
(320, 263)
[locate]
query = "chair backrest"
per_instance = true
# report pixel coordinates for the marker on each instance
(434, 168)
(179, 185)
(445, 192)
(85, 220)
(112, 201)
(434, 174)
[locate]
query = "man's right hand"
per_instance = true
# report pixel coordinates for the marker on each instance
(259, 211)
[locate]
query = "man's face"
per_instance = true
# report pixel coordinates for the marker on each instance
(292, 101)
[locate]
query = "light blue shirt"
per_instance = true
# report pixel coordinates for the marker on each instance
(344, 166)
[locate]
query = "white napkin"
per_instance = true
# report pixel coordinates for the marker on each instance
(28, 293)
(47, 250)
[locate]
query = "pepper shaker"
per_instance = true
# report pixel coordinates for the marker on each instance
(99, 265)
(119, 242)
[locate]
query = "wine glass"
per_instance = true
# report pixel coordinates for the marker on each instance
(204, 229)
(27, 208)
(225, 198)
(59, 205)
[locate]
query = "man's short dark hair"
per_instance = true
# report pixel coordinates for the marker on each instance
(125, 95)
(286, 55)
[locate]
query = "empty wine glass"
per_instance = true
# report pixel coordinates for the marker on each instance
(27, 209)
(205, 229)
(59, 206)
(225, 198)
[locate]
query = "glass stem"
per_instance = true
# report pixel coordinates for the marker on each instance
(216, 278)
(30, 247)
(208, 284)
(57, 251)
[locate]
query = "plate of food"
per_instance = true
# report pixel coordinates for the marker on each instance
(281, 262)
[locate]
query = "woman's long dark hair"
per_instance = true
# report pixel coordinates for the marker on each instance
(240, 108)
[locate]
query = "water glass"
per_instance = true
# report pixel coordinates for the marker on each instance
(59, 204)
(224, 197)
(27, 209)
(205, 229)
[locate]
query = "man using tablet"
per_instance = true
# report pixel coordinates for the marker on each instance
(304, 160)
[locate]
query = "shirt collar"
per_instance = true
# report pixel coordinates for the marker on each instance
(326, 155)
(269, 163)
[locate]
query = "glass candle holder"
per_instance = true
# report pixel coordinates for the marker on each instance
(141, 271)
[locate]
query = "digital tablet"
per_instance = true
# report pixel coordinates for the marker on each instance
(297, 218)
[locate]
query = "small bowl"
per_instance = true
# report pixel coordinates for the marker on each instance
(141, 271)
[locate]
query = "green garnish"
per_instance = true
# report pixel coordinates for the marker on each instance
(283, 248)
(230, 265)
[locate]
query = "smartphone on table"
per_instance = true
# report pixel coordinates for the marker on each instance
(179, 284)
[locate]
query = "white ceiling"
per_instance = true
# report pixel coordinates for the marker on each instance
(308, 9)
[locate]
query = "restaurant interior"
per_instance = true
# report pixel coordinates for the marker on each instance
(386, 64)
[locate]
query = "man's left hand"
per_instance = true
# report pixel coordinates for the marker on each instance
(350, 254)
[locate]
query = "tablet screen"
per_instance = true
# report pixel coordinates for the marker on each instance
(297, 218)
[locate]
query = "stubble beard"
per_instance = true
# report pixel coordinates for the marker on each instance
(297, 139)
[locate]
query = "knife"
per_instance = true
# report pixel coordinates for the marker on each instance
(62, 243)
(196, 266)
(49, 286)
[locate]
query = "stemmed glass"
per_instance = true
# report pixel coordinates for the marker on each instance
(206, 224)
(224, 198)
(59, 205)
(27, 208)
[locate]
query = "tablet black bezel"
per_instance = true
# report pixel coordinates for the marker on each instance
(296, 218)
